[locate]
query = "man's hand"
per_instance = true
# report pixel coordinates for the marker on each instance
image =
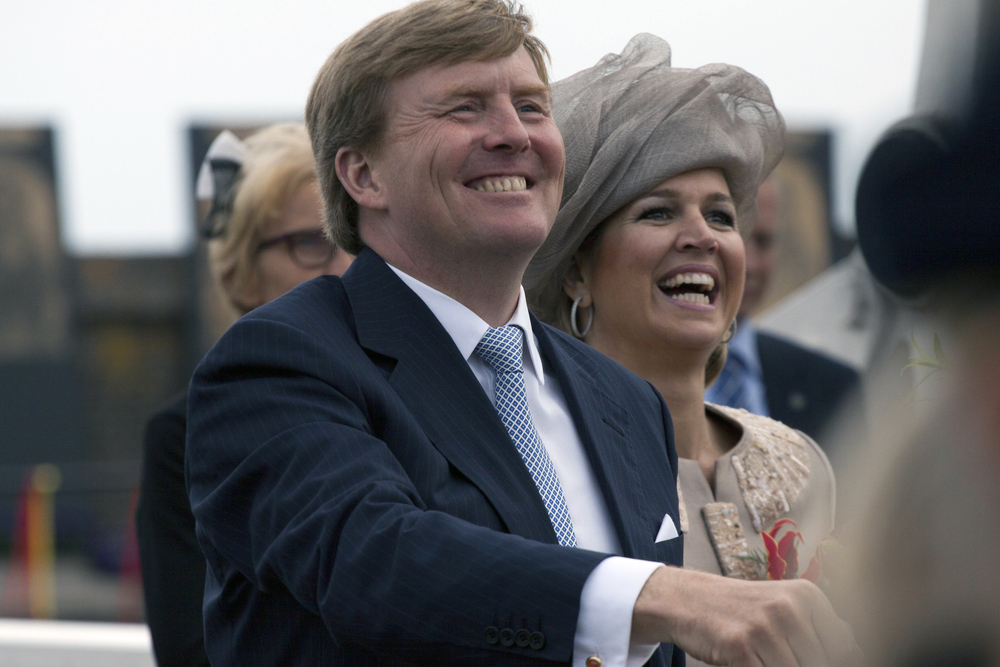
(743, 623)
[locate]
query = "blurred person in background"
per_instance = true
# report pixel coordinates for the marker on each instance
(265, 236)
(646, 264)
(767, 374)
(927, 575)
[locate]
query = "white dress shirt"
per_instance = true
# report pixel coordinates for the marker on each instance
(604, 626)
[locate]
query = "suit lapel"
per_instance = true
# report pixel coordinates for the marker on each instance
(603, 427)
(435, 382)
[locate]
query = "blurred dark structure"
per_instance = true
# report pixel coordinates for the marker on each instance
(90, 347)
(40, 413)
(37, 388)
(929, 192)
(135, 326)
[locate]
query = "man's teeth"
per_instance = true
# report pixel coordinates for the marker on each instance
(693, 297)
(502, 184)
(690, 279)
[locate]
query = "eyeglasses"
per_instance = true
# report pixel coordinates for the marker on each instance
(308, 249)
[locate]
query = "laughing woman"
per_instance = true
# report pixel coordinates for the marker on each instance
(646, 264)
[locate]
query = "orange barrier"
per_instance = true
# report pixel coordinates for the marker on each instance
(129, 601)
(30, 586)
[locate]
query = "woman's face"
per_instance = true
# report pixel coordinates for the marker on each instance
(668, 268)
(277, 270)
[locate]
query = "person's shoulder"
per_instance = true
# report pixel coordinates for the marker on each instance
(785, 459)
(571, 347)
(318, 310)
(310, 323)
(766, 432)
(310, 303)
(600, 367)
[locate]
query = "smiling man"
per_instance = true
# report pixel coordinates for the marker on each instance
(403, 466)
(461, 190)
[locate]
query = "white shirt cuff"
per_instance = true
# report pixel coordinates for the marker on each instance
(604, 626)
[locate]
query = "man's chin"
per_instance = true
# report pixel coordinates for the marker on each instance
(515, 228)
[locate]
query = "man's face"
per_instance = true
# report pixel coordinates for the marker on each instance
(762, 247)
(472, 163)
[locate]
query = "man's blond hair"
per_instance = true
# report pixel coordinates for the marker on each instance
(347, 106)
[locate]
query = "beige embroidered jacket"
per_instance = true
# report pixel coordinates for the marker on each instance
(773, 472)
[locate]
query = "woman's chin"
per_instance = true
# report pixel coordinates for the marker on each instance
(693, 339)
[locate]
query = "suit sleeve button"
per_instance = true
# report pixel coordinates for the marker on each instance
(492, 635)
(522, 638)
(507, 637)
(536, 641)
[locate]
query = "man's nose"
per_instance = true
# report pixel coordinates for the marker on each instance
(506, 130)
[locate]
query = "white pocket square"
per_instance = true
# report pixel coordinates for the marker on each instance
(668, 530)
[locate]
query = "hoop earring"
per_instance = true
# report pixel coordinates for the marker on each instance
(572, 319)
(730, 332)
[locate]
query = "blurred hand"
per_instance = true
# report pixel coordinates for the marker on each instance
(740, 623)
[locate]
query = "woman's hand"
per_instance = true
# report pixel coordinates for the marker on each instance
(740, 623)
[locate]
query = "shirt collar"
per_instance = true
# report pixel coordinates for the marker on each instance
(465, 327)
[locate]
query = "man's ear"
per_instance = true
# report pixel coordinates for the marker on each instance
(354, 170)
(577, 281)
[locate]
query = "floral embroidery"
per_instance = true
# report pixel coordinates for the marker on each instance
(772, 470)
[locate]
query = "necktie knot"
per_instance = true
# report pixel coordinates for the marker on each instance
(500, 347)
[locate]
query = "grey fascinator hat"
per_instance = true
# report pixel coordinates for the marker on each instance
(631, 122)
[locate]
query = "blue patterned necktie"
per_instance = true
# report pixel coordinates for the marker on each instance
(730, 387)
(500, 347)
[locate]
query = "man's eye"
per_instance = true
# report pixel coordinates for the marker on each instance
(529, 107)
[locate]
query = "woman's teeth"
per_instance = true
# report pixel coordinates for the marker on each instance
(502, 184)
(692, 297)
(689, 287)
(690, 279)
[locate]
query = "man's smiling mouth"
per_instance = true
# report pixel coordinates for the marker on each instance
(499, 184)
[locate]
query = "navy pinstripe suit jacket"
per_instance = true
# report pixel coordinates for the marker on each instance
(359, 501)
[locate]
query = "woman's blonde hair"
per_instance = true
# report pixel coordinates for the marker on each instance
(278, 163)
(716, 361)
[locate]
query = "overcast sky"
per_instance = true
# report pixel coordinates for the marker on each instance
(120, 81)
